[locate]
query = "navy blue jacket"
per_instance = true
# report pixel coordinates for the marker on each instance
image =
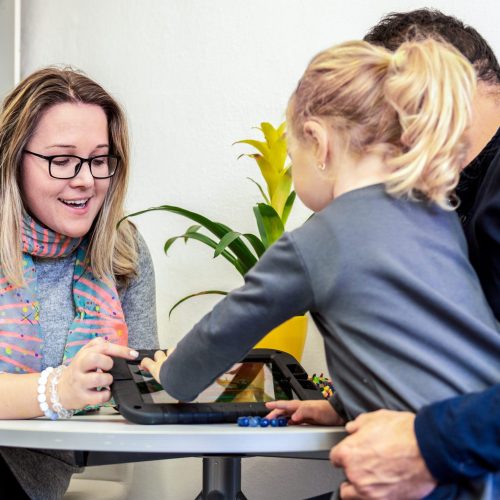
(460, 437)
(479, 192)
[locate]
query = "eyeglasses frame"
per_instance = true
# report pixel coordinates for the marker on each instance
(78, 167)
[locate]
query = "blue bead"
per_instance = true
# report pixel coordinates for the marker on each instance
(282, 422)
(264, 422)
(243, 421)
(254, 421)
(274, 422)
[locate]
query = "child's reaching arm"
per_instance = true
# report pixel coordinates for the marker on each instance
(277, 288)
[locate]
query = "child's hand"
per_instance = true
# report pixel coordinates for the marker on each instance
(319, 412)
(154, 367)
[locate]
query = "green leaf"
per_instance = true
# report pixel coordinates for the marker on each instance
(211, 243)
(169, 243)
(206, 292)
(288, 206)
(266, 199)
(225, 241)
(192, 229)
(261, 227)
(269, 223)
(245, 257)
(256, 244)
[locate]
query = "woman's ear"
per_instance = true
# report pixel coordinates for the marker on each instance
(317, 134)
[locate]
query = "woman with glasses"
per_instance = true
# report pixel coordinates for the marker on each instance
(75, 287)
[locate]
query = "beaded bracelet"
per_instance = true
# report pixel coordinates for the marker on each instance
(42, 394)
(58, 408)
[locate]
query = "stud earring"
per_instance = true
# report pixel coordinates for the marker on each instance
(321, 165)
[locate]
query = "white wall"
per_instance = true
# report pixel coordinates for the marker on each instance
(195, 76)
(8, 45)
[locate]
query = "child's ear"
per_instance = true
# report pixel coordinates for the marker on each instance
(317, 133)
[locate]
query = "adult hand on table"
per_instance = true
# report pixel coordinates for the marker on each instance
(319, 412)
(381, 458)
(79, 381)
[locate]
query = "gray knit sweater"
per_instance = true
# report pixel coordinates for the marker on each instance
(45, 474)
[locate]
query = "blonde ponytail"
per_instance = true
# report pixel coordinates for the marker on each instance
(430, 85)
(411, 106)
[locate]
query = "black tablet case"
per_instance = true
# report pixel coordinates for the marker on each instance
(132, 406)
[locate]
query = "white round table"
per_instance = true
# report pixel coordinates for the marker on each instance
(220, 445)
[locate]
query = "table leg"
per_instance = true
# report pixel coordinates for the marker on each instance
(221, 479)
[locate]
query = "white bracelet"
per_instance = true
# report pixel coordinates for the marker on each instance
(42, 394)
(57, 407)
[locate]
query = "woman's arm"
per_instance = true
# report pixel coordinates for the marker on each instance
(19, 396)
(77, 385)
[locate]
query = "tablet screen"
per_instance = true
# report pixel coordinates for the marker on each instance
(247, 382)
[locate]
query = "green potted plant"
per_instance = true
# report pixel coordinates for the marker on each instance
(243, 250)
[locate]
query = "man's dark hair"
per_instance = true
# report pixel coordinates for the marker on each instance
(398, 27)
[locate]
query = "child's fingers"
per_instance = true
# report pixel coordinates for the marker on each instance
(146, 364)
(289, 406)
(276, 413)
(271, 404)
(160, 356)
(304, 414)
(298, 416)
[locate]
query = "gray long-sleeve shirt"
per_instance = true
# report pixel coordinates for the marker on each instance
(45, 474)
(390, 287)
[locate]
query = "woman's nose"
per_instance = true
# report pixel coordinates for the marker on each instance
(84, 176)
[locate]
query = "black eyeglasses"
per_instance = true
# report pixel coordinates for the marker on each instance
(68, 166)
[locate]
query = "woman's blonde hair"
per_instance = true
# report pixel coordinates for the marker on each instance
(112, 250)
(412, 105)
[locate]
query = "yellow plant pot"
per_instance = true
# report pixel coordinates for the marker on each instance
(289, 337)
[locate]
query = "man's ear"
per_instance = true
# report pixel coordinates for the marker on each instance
(317, 134)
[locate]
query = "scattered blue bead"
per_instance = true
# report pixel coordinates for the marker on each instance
(282, 422)
(264, 422)
(243, 421)
(254, 421)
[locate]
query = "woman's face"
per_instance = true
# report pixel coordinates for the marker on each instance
(67, 206)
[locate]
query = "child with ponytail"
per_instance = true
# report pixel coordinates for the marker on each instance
(377, 143)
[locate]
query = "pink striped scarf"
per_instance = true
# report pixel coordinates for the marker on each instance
(98, 311)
